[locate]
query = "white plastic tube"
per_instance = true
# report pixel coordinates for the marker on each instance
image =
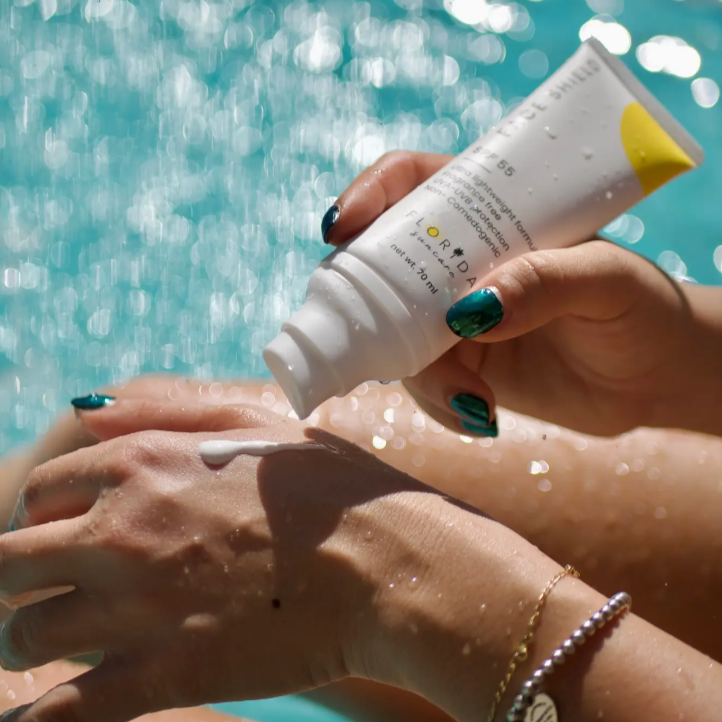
(586, 146)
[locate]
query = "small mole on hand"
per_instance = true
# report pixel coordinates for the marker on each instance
(276, 603)
(544, 437)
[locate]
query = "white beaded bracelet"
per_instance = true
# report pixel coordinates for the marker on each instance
(532, 688)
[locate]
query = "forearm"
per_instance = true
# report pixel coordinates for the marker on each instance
(451, 637)
(697, 401)
(640, 513)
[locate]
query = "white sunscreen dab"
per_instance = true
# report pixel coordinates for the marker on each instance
(221, 451)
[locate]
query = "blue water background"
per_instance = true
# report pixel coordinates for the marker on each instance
(164, 168)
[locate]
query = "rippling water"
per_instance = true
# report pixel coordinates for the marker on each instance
(164, 166)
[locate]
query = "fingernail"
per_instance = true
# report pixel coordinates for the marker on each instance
(92, 402)
(329, 221)
(490, 431)
(13, 714)
(471, 408)
(477, 313)
(11, 525)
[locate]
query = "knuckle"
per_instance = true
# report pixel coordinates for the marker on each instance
(117, 462)
(531, 273)
(395, 156)
(34, 484)
(144, 449)
(401, 161)
(605, 249)
(538, 266)
(607, 253)
(110, 538)
(617, 272)
(622, 264)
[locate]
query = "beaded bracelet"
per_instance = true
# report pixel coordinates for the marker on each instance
(532, 689)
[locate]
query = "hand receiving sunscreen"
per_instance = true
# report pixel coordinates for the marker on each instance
(586, 146)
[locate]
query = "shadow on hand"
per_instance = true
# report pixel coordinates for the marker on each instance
(328, 485)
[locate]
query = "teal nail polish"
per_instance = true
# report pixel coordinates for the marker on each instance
(11, 526)
(92, 402)
(471, 409)
(14, 714)
(329, 221)
(490, 431)
(477, 313)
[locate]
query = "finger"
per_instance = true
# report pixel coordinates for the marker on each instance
(66, 435)
(128, 416)
(59, 628)
(117, 690)
(455, 395)
(63, 488)
(44, 557)
(375, 190)
(442, 416)
(597, 281)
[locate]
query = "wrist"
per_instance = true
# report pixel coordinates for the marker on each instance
(448, 626)
(435, 638)
(388, 558)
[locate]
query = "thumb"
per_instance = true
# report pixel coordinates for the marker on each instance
(596, 280)
(128, 416)
(115, 691)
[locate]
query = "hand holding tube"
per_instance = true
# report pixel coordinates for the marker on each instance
(592, 337)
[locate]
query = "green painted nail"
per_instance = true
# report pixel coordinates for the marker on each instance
(471, 409)
(92, 402)
(491, 431)
(329, 220)
(478, 313)
(13, 714)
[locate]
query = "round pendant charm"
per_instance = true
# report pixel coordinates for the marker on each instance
(543, 709)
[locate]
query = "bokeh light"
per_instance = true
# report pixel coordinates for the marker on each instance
(664, 53)
(614, 36)
(705, 92)
(165, 165)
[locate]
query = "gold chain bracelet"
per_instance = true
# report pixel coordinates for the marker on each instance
(522, 651)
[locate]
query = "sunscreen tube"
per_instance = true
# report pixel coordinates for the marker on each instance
(582, 149)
